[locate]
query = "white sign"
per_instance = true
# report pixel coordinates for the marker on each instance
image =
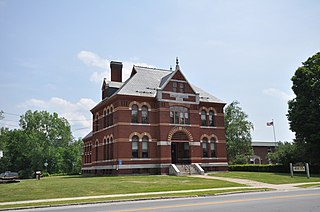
(299, 168)
(1, 153)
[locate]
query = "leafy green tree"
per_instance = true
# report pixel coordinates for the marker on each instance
(286, 153)
(238, 135)
(1, 115)
(44, 138)
(304, 109)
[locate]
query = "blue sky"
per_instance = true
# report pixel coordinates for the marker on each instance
(54, 54)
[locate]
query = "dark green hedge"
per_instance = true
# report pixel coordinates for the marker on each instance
(314, 169)
(259, 168)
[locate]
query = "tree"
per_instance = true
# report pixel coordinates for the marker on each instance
(1, 115)
(238, 136)
(286, 153)
(304, 109)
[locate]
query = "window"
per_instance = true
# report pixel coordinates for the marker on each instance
(185, 149)
(144, 114)
(179, 115)
(145, 141)
(211, 118)
(104, 149)
(181, 88)
(135, 146)
(213, 147)
(108, 149)
(205, 148)
(105, 118)
(111, 149)
(134, 114)
(174, 86)
(97, 151)
(111, 117)
(203, 118)
(96, 123)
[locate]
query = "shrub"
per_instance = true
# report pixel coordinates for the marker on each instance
(260, 168)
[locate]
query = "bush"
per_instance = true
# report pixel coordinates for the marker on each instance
(260, 168)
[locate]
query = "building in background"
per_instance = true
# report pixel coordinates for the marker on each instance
(154, 119)
(261, 150)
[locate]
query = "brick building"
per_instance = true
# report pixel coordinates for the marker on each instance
(154, 119)
(261, 149)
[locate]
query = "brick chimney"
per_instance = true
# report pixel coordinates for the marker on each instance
(116, 71)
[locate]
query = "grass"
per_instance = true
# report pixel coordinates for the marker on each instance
(266, 177)
(74, 186)
(189, 194)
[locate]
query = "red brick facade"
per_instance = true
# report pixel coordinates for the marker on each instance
(152, 120)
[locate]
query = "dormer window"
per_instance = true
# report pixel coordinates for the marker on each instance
(174, 86)
(181, 86)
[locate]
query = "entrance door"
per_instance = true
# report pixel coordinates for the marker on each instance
(180, 153)
(173, 152)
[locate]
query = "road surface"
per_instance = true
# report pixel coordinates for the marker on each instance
(293, 201)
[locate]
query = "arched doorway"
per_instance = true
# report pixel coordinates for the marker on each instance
(180, 153)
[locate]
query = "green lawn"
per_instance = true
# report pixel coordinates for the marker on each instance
(73, 186)
(189, 194)
(266, 177)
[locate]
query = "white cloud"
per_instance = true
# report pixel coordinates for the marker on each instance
(278, 94)
(94, 60)
(78, 113)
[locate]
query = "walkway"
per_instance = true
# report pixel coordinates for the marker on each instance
(255, 184)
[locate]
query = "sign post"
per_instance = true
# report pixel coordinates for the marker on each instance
(291, 170)
(307, 169)
(300, 167)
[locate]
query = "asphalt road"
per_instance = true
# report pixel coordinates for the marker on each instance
(293, 201)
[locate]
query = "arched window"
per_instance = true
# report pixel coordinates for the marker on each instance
(135, 146)
(203, 118)
(111, 117)
(105, 119)
(213, 148)
(144, 114)
(204, 147)
(134, 114)
(96, 122)
(179, 115)
(111, 148)
(145, 141)
(108, 149)
(97, 150)
(211, 118)
(104, 149)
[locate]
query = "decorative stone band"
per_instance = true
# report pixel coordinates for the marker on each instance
(163, 143)
(194, 143)
(213, 164)
(131, 166)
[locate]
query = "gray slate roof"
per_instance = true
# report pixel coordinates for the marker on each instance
(147, 80)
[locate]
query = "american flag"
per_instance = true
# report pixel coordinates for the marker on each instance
(270, 123)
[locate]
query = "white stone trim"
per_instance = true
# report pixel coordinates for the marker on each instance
(163, 143)
(194, 143)
(213, 164)
(129, 166)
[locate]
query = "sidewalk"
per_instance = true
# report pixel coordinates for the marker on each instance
(256, 184)
(248, 183)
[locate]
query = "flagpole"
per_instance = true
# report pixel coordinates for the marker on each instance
(274, 134)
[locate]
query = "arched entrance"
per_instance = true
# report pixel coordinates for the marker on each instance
(180, 150)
